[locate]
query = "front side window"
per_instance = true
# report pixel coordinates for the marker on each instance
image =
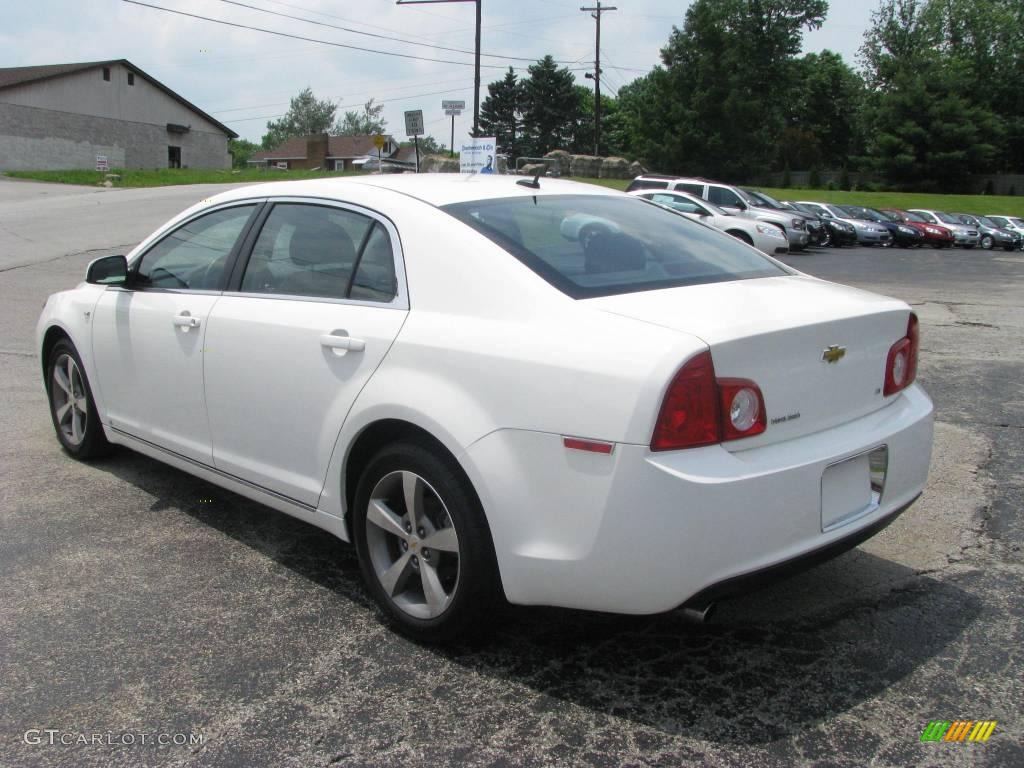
(194, 256)
(597, 245)
(945, 218)
(927, 217)
(724, 197)
(321, 251)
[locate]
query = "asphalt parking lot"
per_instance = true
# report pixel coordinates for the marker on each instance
(139, 600)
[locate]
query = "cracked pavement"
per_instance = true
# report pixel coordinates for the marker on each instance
(130, 605)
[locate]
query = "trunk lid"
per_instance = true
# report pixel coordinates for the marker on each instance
(775, 331)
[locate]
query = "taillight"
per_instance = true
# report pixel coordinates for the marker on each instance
(742, 409)
(901, 364)
(699, 409)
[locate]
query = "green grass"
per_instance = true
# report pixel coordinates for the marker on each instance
(162, 177)
(978, 204)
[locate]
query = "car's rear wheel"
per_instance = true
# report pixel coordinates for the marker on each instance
(72, 409)
(424, 546)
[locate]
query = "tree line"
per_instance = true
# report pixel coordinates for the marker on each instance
(936, 94)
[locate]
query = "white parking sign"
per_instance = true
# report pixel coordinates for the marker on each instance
(414, 122)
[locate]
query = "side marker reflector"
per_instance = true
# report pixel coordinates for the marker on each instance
(594, 446)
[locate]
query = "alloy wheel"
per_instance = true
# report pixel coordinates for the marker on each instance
(412, 544)
(68, 399)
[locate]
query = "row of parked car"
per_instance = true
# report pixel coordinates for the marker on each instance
(778, 226)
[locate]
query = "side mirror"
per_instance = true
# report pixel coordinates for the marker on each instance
(826, 215)
(741, 205)
(108, 270)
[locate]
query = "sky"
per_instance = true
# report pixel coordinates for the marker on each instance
(244, 77)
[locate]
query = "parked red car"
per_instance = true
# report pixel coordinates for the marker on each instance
(934, 235)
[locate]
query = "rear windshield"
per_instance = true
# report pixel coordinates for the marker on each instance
(597, 245)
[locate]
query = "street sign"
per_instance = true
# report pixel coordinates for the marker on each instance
(414, 122)
(453, 112)
(101, 163)
(447, 104)
(378, 141)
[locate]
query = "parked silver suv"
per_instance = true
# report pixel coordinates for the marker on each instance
(735, 200)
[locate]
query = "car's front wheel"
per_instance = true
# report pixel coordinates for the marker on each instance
(424, 546)
(75, 418)
(987, 242)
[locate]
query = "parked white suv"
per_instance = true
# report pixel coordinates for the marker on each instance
(732, 199)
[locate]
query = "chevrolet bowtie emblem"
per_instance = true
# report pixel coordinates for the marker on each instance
(833, 354)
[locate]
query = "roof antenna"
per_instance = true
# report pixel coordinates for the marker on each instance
(535, 184)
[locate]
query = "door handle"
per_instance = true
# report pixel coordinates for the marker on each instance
(185, 320)
(342, 342)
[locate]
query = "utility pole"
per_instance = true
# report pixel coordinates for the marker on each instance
(476, 67)
(596, 12)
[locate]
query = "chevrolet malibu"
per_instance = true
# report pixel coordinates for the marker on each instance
(445, 372)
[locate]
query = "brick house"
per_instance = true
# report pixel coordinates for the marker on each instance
(61, 116)
(331, 153)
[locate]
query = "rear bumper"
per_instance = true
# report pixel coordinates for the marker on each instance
(748, 582)
(641, 532)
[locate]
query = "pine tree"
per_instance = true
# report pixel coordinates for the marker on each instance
(501, 114)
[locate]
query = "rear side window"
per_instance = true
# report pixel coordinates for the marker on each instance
(693, 189)
(317, 251)
(676, 203)
(600, 245)
(646, 184)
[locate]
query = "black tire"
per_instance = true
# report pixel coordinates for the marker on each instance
(91, 441)
(987, 242)
(476, 592)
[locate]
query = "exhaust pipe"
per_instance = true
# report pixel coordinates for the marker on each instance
(699, 614)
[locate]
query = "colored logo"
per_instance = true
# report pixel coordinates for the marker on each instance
(958, 730)
(833, 354)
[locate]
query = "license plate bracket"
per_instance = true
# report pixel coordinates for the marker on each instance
(846, 492)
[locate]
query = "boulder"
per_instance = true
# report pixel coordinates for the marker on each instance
(561, 162)
(635, 169)
(585, 165)
(615, 168)
(533, 169)
(439, 164)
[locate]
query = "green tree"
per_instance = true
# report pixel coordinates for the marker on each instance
(428, 145)
(928, 129)
(305, 115)
(365, 123)
(501, 113)
(829, 97)
(551, 107)
(583, 132)
(241, 150)
(724, 71)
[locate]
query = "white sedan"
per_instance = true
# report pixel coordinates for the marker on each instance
(765, 237)
(490, 408)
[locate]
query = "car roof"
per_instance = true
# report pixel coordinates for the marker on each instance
(432, 188)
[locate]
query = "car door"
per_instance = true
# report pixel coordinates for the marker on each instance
(148, 336)
(310, 315)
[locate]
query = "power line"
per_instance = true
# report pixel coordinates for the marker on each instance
(346, 106)
(309, 39)
(357, 93)
(376, 35)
